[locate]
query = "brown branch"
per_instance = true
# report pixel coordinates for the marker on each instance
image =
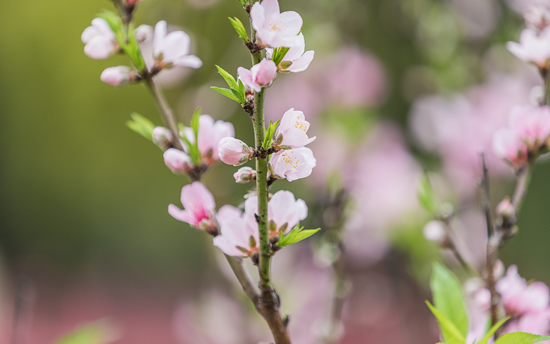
(236, 265)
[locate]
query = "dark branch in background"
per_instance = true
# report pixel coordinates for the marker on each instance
(22, 306)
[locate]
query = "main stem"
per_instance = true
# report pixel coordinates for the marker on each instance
(165, 110)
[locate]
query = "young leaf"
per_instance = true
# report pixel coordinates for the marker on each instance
(239, 95)
(297, 234)
(521, 338)
(239, 27)
(492, 331)
(448, 330)
(229, 79)
(141, 125)
(426, 195)
(195, 122)
(279, 54)
(226, 92)
(194, 152)
(448, 297)
(90, 334)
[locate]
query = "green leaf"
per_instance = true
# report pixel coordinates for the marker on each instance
(279, 54)
(229, 79)
(141, 125)
(521, 338)
(194, 152)
(239, 27)
(240, 96)
(448, 297)
(492, 331)
(96, 333)
(268, 140)
(113, 19)
(297, 234)
(426, 195)
(448, 330)
(226, 92)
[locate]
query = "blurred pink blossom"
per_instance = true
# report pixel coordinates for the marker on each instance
(245, 175)
(177, 161)
(117, 76)
(533, 47)
(260, 75)
(519, 297)
(99, 39)
(172, 49)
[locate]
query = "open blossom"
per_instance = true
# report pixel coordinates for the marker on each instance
(532, 124)
(275, 29)
(245, 175)
(293, 164)
(292, 130)
(508, 146)
(260, 75)
(172, 48)
(532, 47)
(117, 76)
(519, 297)
(537, 18)
(239, 234)
(199, 208)
(177, 161)
(100, 40)
(296, 59)
(210, 134)
(233, 151)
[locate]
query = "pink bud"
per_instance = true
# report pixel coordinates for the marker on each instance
(177, 161)
(143, 33)
(162, 137)
(505, 209)
(435, 231)
(245, 175)
(533, 47)
(537, 18)
(508, 146)
(117, 76)
(234, 152)
(260, 75)
(99, 39)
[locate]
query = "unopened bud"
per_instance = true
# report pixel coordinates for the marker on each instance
(435, 231)
(498, 270)
(506, 210)
(143, 33)
(245, 175)
(177, 161)
(118, 76)
(233, 151)
(537, 18)
(162, 137)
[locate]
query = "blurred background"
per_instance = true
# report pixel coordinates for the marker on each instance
(396, 87)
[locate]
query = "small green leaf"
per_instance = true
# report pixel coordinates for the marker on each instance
(297, 234)
(448, 297)
(141, 125)
(426, 195)
(239, 27)
(229, 79)
(226, 92)
(279, 55)
(96, 333)
(448, 330)
(492, 331)
(268, 140)
(521, 338)
(240, 96)
(113, 19)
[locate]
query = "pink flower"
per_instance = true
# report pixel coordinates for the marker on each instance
(144, 33)
(537, 18)
(162, 138)
(292, 131)
(172, 49)
(519, 297)
(239, 235)
(532, 124)
(211, 133)
(532, 47)
(199, 208)
(293, 164)
(117, 76)
(234, 152)
(275, 29)
(285, 212)
(245, 175)
(260, 75)
(100, 40)
(508, 146)
(177, 161)
(296, 59)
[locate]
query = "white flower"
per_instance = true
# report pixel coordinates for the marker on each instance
(173, 48)
(100, 40)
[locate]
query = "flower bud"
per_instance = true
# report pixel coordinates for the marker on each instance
(162, 137)
(537, 18)
(143, 33)
(177, 161)
(117, 76)
(234, 152)
(435, 231)
(245, 175)
(506, 209)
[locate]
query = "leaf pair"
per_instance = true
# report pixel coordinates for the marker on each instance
(236, 90)
(193, 145)
(297, 234)
(239, 27)
(141, 125)
(269, 132)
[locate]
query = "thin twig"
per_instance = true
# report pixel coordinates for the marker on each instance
(243, 278)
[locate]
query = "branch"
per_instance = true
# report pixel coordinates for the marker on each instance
(236, 265)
